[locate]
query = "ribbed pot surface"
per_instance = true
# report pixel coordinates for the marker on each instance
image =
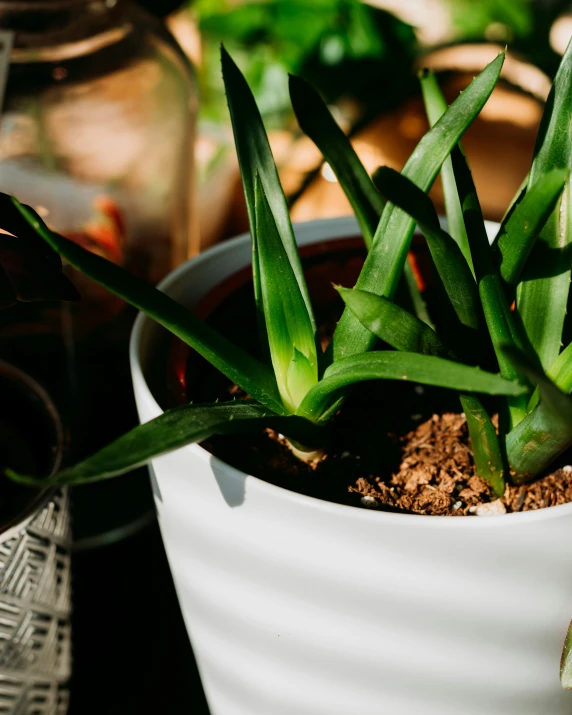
(297, 606)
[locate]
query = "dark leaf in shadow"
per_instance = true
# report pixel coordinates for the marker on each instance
(29, 269)
(548, 262)
(7, 294)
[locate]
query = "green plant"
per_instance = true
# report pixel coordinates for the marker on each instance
(29, 269)
(566, 665)
(299, 387)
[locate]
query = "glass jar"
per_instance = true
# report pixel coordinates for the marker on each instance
(96, 133)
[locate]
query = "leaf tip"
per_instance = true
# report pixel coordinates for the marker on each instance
(228, 64)
(22, 478)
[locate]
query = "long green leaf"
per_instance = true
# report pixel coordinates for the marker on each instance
(255, 158)
(560, 371)
(386, 365)
(417, 301)
(566, 662)
(517, 235)
(317, 122)
(170, 431)
(404, 332)
(290, 334)
(516, 199)
(487, 454)
(393, 324)
(463, 198)
(436, 106)
(384, 264)
(545, 433)
(240, 367)
(500, 322)
(542, 296)
(451, 265)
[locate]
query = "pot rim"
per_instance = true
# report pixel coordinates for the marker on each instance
(15, 525)
(329, 229)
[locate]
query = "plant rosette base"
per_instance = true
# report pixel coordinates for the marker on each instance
(298, 605)
(415, 457)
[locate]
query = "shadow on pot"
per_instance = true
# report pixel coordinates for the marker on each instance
(232, 483)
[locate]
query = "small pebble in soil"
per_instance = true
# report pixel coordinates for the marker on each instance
(493, 508)
(369, 502)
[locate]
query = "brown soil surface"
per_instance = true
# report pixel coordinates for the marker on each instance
(437, 477)
(433, 472)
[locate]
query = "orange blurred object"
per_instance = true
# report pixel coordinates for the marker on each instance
(105, 234)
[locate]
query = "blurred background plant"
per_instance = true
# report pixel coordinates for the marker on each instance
(343, 47)
(362, 57)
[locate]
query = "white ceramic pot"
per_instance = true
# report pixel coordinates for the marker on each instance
(297, 606)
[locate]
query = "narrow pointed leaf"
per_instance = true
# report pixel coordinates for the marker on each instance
(546, 432)
(290, 332)
(517, 235)
(255, 158)
(560, 371)
(451, 265)
(417, 299)
(404, 332)
(516, 199)
(30, 275)
(240, 367)
(436, 106)
(566, 662)
(393, 324)
(384, 264)
(489, 462)
(170, 431)
(387, 365)
(29, 269)
(542, 297)
(316, 121)
(501, 324)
